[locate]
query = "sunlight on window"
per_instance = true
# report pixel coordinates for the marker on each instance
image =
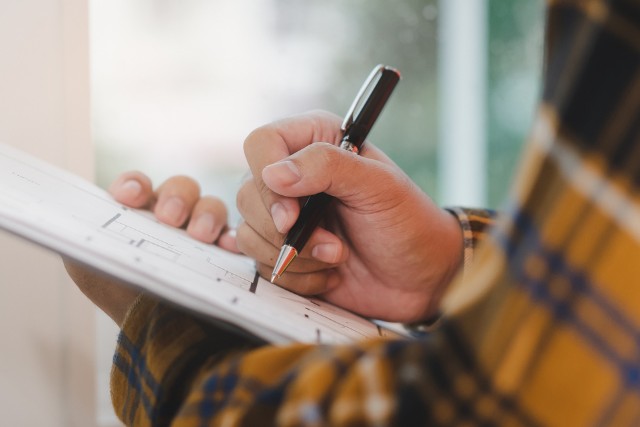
(177, 86)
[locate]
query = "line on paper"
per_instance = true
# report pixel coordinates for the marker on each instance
(27, 164)
(300, 300)
(340, 324)
(108, 223)
(254, 284)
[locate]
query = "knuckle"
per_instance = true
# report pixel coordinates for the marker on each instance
(329, 155)
(243, 234)
(256, 137)
(321, 119)
(264, 270)
(328, 161)
(213, 204)
(183, 184)
(305, 284)
(250, 141)
(262, 187)
(270, 233)
(315, 157)
(191, 183)
(243, 196)
(137, 175)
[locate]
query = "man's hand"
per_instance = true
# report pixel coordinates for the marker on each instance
(385, 250)
(176, 202)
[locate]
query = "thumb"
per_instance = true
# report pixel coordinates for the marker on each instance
(322, 167)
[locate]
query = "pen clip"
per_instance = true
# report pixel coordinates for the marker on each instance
(362, 96)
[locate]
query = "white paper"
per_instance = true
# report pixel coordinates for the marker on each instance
(71, 216)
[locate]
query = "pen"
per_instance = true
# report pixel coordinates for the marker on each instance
(358, 121)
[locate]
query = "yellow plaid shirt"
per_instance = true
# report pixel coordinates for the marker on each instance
(543, 328)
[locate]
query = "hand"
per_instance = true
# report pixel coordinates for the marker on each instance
(176, 202)
(385, 251)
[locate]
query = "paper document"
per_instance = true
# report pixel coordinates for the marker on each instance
(71, 216)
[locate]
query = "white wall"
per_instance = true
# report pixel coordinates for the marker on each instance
(47, 362)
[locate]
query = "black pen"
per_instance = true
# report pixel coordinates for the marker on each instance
(359, 120)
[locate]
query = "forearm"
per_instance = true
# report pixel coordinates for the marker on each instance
(108, 294)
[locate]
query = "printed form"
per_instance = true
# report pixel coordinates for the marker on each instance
(73, 217)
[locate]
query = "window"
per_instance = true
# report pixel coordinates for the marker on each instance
(177, 86)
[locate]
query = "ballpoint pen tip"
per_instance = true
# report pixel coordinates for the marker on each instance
(287, 254)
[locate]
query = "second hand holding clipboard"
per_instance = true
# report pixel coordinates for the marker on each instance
(360, 118)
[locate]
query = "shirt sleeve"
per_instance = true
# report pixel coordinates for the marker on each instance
(172, 369)
(159, 354)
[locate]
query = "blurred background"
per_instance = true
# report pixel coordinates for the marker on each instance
(170, 87)
(176, 86)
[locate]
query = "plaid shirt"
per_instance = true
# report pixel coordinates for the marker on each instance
(543, 328)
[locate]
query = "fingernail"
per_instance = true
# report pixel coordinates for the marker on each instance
(279, 216)
(326, 252)
(284, 172)
(129, 189)
(202, 227)
(172, 210)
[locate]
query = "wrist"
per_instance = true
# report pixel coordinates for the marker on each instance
(449, 257)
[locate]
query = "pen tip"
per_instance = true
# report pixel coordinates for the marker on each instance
(287, 254)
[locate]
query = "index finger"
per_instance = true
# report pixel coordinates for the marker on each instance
(276, 141)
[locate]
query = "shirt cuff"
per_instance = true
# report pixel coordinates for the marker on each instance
(474, 224)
